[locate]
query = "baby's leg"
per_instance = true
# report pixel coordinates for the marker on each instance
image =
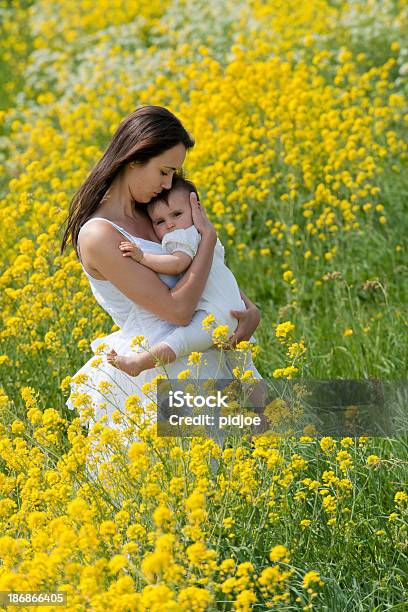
(135, 364)
(192, 337)
(182, 341)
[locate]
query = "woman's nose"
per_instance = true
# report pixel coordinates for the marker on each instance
(166, 184)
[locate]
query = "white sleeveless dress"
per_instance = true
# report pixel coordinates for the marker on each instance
(133, 321)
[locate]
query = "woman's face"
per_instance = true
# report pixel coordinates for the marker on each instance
(146, 181)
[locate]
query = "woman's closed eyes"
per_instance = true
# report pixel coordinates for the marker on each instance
(167, 173)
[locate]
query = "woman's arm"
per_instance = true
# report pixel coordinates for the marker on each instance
(99, 249)
(248, 321)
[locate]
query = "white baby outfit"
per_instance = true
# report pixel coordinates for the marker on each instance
(220, 295)
(133, 320)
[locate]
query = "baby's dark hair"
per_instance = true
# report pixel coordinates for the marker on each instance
(179, 184)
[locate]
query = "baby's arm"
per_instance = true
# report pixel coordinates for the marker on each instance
(176, 263)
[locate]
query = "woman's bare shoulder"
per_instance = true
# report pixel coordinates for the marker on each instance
(95, 230)
(98, 240)
(96, 225)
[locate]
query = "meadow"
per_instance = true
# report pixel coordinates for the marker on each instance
(299, 114)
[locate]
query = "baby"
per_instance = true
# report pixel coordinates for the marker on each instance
(173, 224)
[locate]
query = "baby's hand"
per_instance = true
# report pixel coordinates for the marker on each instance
(130, 249)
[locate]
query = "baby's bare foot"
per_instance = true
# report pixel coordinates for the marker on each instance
(126, 364)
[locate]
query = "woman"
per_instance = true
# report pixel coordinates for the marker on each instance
(148, 148)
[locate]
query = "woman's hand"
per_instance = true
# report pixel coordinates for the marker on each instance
(248, 321)
(200, 219)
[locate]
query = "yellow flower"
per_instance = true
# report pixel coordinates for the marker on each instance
(51, 417)
(227, 565)
(107, 528)
(283, 329)
(279, 553)
(400, 498)
(208, 321)
(329, 503)
(228, 522)
(243, 345)
(4, 400)
(327, 444)
(162, 515)
(195, 501)
(194, 598)
(312, 578)
(65, 383)
(199, 554)
(296, 350)
(100, 348)
(155, 563)
(34, 415)
(247, 375)
(184, 375)
(137, 450)
(220, 333)
(79, 379)
(146, 388)
(373, 460)
(287, 372)
(77, 507)
(230, 229)
(244, 600)
(117, 563)
(17, 427)
(104, 386)
(194, 358)
(36, 519)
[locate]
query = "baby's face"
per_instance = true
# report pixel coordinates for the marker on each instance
(176, 215)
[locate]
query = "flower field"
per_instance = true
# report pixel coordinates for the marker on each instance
(299, 112)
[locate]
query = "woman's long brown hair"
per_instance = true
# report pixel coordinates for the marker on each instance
(145, 133)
